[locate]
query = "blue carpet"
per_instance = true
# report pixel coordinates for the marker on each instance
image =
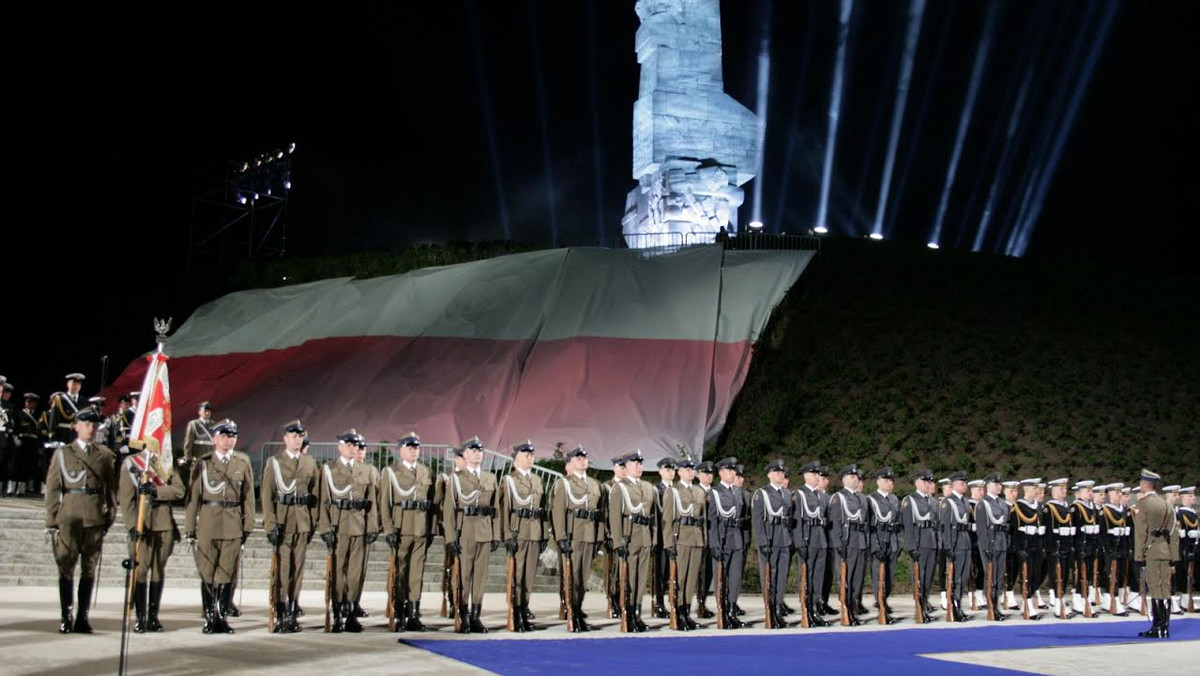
(887, 652)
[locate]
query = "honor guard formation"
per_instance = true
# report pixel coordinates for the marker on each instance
(989, 545)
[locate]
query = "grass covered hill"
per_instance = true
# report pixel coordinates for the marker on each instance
(890, 354)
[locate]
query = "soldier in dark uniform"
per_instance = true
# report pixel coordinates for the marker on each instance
(1189, 533)
(919, 516)
(1060, 547)
(886, 528)
(471, 520)
(153, 545)
(771, 507)
(955, 518)
(849, 523)
(633, 521)
(1084, 517)
(1012, 490)
(30, 461)
(977, 581)
(827, 584)
(81, 505)
(62, 409)
(120, 423)
(197, 440)
(8, 436)
(704, 473)
(1115, 533)
(290, 486)
(523, 527)
(1028, 540)
(992, 529)
(667, 469)
(740, 483)
(726, 508)
(348, 521)
(685, 532)
(220, 517)
(577, 515)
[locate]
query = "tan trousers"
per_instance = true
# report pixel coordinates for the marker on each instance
(473, 565)
(153, 550)
(293, 550)
(78, 544)
(527, 561)
(217, 560)
(350, 566)
(410, 567)
(688, 562)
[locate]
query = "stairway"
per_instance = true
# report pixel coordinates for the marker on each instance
(26, 560)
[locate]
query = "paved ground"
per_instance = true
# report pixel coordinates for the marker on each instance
(31, 644)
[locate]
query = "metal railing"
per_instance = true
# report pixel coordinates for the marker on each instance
(748, 240)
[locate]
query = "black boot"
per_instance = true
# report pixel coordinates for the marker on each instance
(86, 584)
(206, 604)
(731, 618)
(414, 617)
(702, 610)
(687, 617)
(638, 625)
(299, 610)
(1164, 627)
(660, 609)
(526, 612)
(1152, 632)
(352, 624)
(291, 623)
(462, 612)
(959, 615)
(477, 624)
(777, 620)
(681, 620)
(66, 601)
(139, 608)
(281, 618)
(737, 610)
(525, 618)
(580, 624)
(815, 619)
(400, 611)
(616, 608)
(359, 612)
(518, 621)
(223, 599)
(785, 609)
(155, 602)
(338, 624)
(230, 607)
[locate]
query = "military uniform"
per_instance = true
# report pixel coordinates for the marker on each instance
(220, 516)
(406, 508)
(920, 538)
(706, 564)
(726, 539)
(993, 528)
(197, 442)
(1156, 543)
(348, 520)
(472, 525)
(30, 459)
(81, 505)
(633, 523)
(685, 534)
(661, 567)
(810, 538)
(440, 485)
(1085, 518)
(577, 517)
(1115, 534)
(773, 518)
(155, 542)
(61, 411)
(611, 574)
(886, 529)
(1189, 535)
(523, 527)
(290, 489)
(849, 525)
(1060, 550)
(1030, 546)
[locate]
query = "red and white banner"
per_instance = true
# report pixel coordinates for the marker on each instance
(152, 420)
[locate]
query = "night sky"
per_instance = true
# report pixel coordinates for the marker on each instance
(116, 109)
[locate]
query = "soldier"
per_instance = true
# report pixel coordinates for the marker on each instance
(523, 528)
(704, 474)
(740, 483)
(725, 538)
(440, 489)
(1084, 515)
(62, 409)
(1114, 530)
(1156, 544)
(348, 521)
(920, 536)
(885, 532)
(290, 486)
(772, 507)
(685, 532)
(577, 517)
(667, 468)
(849, 523)
(472, 526)
(1060, 541)
(361, 458)
(81, 505)
(119, 424)
(1028, 541)
(28, 465)
(222, 500)
(8, 437)
(992, 529)
(956, 541)
(405, 505)
(976, 578)
(633, 523)
(1185, 514)
(197, 440)
(1011, 568)
(142, 475)
(827, 584)
(611, 575)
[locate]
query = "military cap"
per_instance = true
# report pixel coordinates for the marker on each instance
(740, 469)
(87, 415)
(810, 467)
(1100, 487)
(667, 463)
(1031, 482)
(824, 470)
(96, 400)
(136, 394)
(944, 481)
(205, 405)
(727, 463)
(885, 473)
(636, 456)
(1012, 484)
(1135, 490)
(1058, 482)
(3, 380)
(618, 461)
(457, 451)
(775, 466)
(1173, 488)
(226, 427)
(958, 476)
(1126, 490)
(1147, 475)
(31, 396)
(1187, 490)
(851, 469)
(351, 436)
(705, 467)
(295, 427)
(8, 387)
(1115, 487)
(1041, 484)
(410, 439)
(686, 463)
(124, 399)
(923, 475)
(976, 482)
(1080, 485)
(473, 442)
(523, 447)
(577, 452)
(76, 376)
(994, 478)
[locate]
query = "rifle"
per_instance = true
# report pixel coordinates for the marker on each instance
(273, 594)
(843, 593)
(1191, 581)
(131, 572)
(766, 590)
(1062, 603)
(991, 596)
(1025, 589)
(722, 586)
(447, 569)
(562, 594)
(879, 594)
(1096, 578)
(512, 592)
(1112, 585)
(391, 592)
(1082, 583)
(626, 605)
(918, 596)
(804, 593)
(329, 581)
(673, 594)
(950, 588)
(566, 572)
(971, 583)
(456, 592)
(608, 590)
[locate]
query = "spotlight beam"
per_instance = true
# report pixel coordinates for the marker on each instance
(916, 12)
(762, 104)
(869, 166)
(539, 87)
(835, 108)
(968, 112)
(794, 121)
(488, 124)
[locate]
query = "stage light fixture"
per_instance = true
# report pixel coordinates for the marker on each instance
(877, 236)
(821, 230)
(933, 245)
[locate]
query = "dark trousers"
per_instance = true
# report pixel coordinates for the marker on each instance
(998, 561)
(927, 561)
(779, 559)
(856, 568)
(886, 578)
(962, 571)
(735, 565)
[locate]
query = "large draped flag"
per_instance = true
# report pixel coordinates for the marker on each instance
(152, 420)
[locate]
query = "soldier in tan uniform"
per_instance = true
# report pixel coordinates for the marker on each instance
(81, 505)
(222, 500)
(290, 486)
(439, 500)
(406, 505)
(472, 526)
(1156, 544)
(632, 521)
(361, 457)
(610, 576)
(685, 536)
(523, 527)
(197, 441)
(142, 474)
(349, 523)
(577, 516)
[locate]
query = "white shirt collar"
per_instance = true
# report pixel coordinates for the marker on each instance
(522, 472)
(408, 465)
(579, 475)
(345, 462)
(922, 494)
(729, 486)
(884, 493)
(222, 458)
(293, 456)
(82, 446)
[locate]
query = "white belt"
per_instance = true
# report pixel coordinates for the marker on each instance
(1090, 530)
(1029, 530)
(1194, 534)
(1122, 531)
(1041, 530)
(1065, 531)
(972, 528)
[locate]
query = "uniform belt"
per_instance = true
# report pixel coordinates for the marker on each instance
(529, 513)
(893, 528)
(306, 500)
(813, 522)
(414, 505)
(223, 503)
(589, 514)
(690, 521)
(81, 491)
(962, 527)
(924, 524)
(351, 504)
(1158, 533)
(1064, 531)
(477, 510)
(640, 520)
(860, 527)
(731, 521)
(777, 520)
(29, 436)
